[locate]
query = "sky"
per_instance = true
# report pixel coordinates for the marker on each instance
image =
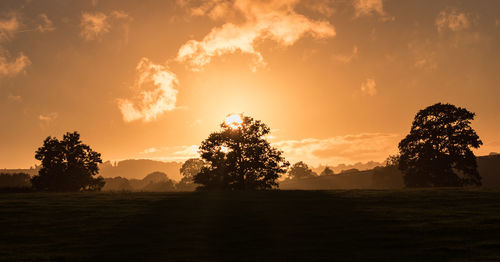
(337, 81)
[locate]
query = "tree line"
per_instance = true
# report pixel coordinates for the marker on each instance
(437, 152)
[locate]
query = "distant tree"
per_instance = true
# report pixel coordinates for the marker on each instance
(349, 171)
(392, 160)
(117, 184)
(437, 152)
(327, 172)
(67, 165)
(14, 180)
(191, 168)
(240, 158)
(158, 182)
(300, 170)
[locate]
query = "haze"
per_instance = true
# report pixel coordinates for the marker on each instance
(337, 81)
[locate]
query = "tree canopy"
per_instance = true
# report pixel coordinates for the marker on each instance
(437, 151)
(327, 172)
(191, 168)
(300, 170)
(240, 158)
(67, 165)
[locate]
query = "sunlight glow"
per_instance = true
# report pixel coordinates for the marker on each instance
(234, 121)
(224, 149)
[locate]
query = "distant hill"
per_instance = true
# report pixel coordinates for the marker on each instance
(385, 178)
(31, 171)
(368, 176)
(341, 167)
(139, 168)
(351, 180)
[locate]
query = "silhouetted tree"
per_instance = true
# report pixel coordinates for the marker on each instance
(67, 165)
(327, 172)
(239, 158)
(14, 180)
(300, 170)
(158, 182)
(437, 152)
(190, 168)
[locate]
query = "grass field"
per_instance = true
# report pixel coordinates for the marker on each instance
(416, 225)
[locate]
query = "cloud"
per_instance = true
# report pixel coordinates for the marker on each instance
(347, 149)
(95, 25)
(323, 7)
(48, 117)
(12, 67)
(272, 20)
(172, 153)
(14, 98)
(156, 93)
(369, 87)
(368, 7)
(452, 20)
(425, 56)
(45, 24)
(347, 58)
(8, 27)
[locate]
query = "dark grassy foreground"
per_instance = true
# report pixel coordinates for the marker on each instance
(400, 225)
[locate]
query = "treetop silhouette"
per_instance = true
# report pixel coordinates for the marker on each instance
(437, 151)
(239, 157)
(67, 165)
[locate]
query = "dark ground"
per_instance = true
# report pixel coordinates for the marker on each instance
(402, 225)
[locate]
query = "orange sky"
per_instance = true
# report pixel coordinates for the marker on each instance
(338, 81)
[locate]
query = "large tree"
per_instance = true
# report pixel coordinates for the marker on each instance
(239, 157)
(67, 165)
(437, 151)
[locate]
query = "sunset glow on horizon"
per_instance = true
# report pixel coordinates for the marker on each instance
(338, 82)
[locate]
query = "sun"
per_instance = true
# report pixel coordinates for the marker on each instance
(234, 121)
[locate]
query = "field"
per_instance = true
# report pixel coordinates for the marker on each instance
(415, 225)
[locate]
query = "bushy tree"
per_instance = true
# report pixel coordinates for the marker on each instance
(327, 172)
(191, 168)
(67, 165)
(300, 170)
(437, 151)
(240, 158)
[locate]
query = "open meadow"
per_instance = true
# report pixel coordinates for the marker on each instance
(418, 225)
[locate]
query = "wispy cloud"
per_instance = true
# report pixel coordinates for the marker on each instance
(45, 24)
(14, 98)
(452, 20)
(347, 58)
(369, 87)
(8, 27)
(12, 66)
(324, 7)
(155, 93)
(274, 20)
(347, 149)
(369, 7)
(47, 118)
(9, 65)
(172, 153)
(95, 25)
